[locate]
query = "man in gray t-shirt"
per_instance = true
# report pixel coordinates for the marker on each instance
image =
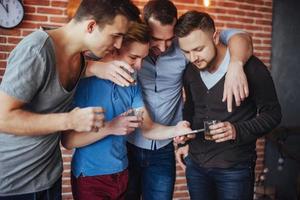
(36, 92)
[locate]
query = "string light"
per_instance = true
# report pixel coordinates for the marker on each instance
(206, 3)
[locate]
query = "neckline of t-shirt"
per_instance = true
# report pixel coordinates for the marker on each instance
(83, 65)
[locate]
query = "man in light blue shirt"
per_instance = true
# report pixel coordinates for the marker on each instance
(152, 162)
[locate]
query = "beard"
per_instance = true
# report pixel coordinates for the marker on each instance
(205, 64)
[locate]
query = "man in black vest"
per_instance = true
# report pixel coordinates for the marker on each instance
(221, 167)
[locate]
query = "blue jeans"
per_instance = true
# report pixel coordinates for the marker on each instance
(234, 183)
(151, 173)
(53, 193)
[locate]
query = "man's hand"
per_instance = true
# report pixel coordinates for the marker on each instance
(180, 154)
(86, 119)
(112, 71)
(123, 125)
(235, 85)
(181, 128)
(223, 131)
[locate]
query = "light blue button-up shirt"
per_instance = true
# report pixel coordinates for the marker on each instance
(162, 90)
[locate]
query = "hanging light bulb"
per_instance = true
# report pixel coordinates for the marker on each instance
(206, 3)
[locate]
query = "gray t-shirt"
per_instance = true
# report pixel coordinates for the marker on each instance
(30, 164)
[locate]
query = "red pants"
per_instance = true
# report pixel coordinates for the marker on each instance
(104, 187)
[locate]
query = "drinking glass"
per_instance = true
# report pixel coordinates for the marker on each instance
(207, 133)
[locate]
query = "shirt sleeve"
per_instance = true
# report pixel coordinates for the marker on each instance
(25, 73)
(225, 35)
(137, 100)
(263, 93)
(188, 109)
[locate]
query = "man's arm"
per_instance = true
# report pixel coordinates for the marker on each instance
(157, 131)
(240, 48)
(188, 108)
(110, 71)
(268, 116)
(15, 120)
(268, 107)
(121, 125)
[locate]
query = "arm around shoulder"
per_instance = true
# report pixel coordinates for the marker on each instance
(264, 95)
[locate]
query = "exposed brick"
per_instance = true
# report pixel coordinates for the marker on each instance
(185, 1)
(59, 19)
(62, 4)
(3, 56)
(246, 7)
(216, 10)
(52, 11)
(183, 187)
(2, 65)
(227, 4)
(28, 25)
(226, 18)
(7, 48)
(181, 194)
(236, 12)
(66, 189)
(238, 26)
(14, 40)
(254, 14)
(34, 17)
(29, 9)
(264, 9)
(3, 40)
(1, 70)
(37, 2)
(10, 32)
(180, 181)
(263, 22)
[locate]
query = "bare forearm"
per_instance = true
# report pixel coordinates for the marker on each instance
(91, 69)
(73, 139)
(158, 132)
(20, 122)
(240, 48)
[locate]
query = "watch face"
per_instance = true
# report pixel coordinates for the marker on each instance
(11, 13)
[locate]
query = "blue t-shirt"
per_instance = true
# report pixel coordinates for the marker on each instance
(108, 155)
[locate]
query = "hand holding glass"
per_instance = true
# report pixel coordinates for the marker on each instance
(207, 133)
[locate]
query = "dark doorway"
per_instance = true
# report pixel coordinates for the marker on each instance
(283, 146)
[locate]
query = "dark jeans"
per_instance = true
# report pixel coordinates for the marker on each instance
(53, 193)
(101, 187)
(151, 173)
(234, 183)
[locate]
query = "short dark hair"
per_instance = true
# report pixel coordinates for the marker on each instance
(162, 10)
(193, 20)
(137, 32)
(104, 11)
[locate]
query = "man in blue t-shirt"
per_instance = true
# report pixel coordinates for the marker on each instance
(100, 160)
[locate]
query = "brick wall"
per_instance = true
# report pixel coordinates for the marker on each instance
(254, 16)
